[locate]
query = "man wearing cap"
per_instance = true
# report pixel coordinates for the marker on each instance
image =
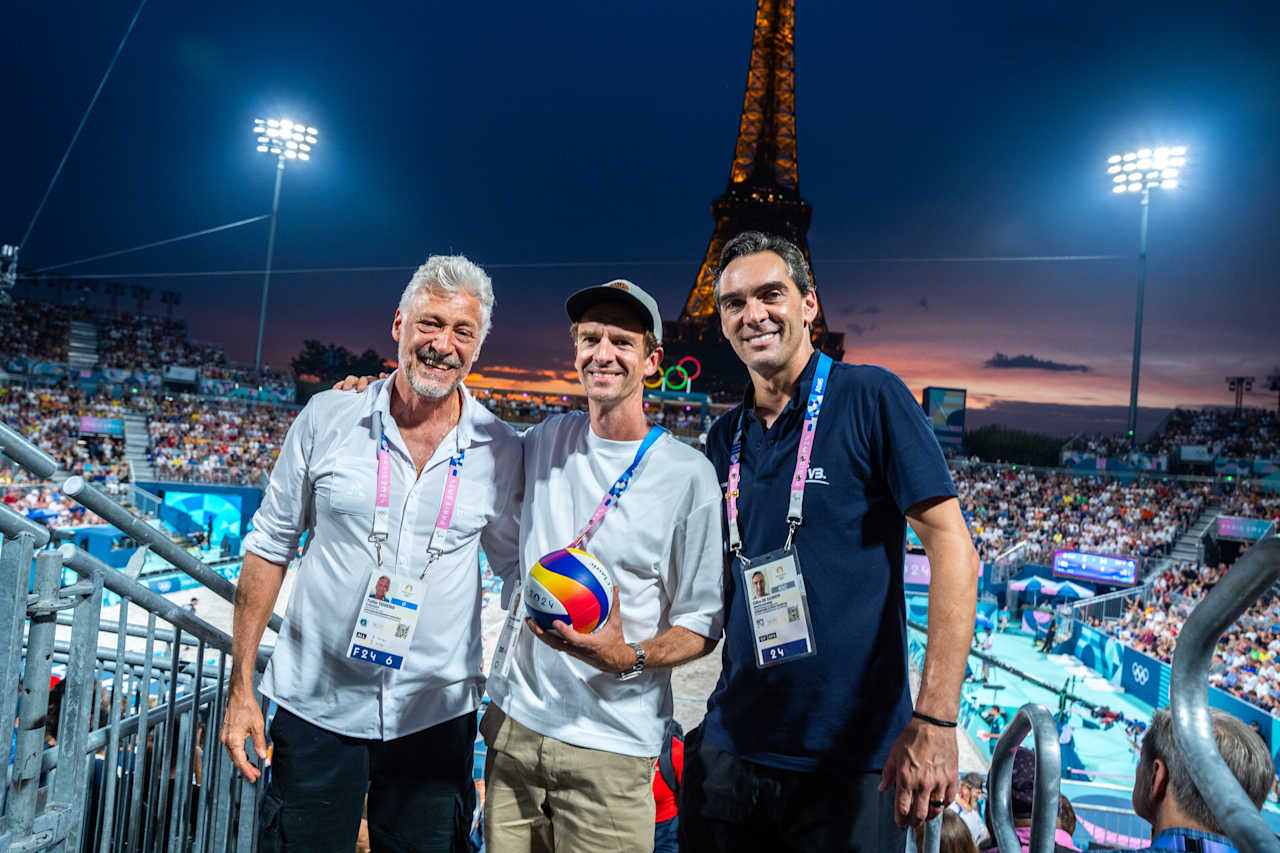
(576, 720)
(810, 739)
(968, 805)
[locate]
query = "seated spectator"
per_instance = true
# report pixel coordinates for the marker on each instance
(1166, 797)
(968, 805)
(1024, 777)
(956, 837)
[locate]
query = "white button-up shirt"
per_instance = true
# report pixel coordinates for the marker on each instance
(324, 482)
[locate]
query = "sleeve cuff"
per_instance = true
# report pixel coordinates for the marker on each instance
(268, 549)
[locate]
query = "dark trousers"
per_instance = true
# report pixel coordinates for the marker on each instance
(666, 836)
(728, 805)
(421, 794)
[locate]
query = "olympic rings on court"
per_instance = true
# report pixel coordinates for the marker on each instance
(656, 379)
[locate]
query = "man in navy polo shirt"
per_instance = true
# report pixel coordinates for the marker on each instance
(810, 740)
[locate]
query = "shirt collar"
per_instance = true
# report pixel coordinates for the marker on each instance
(1168, 839)
(799, 398)
(475, 422)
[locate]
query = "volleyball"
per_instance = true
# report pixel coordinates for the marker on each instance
(571, 586)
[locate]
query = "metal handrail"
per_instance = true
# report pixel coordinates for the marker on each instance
(1252, 575)
(1044, 804)
(23, 452)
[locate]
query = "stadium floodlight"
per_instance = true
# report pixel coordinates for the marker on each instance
(1141, 171)
(287, 140)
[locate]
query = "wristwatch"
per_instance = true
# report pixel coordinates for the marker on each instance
(637, 667)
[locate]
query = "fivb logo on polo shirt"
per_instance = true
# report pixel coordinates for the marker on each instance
(815, 475)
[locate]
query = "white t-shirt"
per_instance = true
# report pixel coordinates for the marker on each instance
(662, 542)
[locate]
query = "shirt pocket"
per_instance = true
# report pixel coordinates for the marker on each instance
(349, 491)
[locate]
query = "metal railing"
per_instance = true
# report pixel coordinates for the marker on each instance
(1037, 720)
(123, 754)
(1111, 605)
(1251, 576)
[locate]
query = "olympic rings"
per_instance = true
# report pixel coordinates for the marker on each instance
(684, 383)
(663, 379)
(697, 367)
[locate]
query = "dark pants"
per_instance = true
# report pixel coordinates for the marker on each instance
(421, 794)
(666, 836)
(728, 805)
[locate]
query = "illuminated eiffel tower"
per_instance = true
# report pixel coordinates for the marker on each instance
(763, 195)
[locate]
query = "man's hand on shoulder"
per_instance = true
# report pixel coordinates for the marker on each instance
(923, 770)
(357, 383)
(605, 649)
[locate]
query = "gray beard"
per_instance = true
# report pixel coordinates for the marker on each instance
(422, 389)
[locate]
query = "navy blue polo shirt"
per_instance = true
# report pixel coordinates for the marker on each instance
(874, 457)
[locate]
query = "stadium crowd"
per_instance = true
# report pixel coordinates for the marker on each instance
(50, 418)
(217, 441)
(1246, 663)
(34, 331)
(1252, 433)
(143, 342)
(1054, 510)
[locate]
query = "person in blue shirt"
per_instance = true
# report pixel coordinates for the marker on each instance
(1165, 795)
(810, 739)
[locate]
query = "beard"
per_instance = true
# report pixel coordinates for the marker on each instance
(434, 389)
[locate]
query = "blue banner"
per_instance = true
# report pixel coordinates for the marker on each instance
(1145, 678)
(1100, 652)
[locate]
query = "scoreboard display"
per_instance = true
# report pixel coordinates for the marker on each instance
(1100, 568)
(945, 410)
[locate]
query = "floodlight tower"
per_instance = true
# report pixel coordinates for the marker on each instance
(8, 272)
(1240, 385)
(1273, 384)
(1139, 172)
(287, 140)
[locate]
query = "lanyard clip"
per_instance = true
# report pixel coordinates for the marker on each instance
(432, 556)
(377, 539)
(791, 532)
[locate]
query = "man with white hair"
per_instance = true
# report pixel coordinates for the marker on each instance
(407, 483)
(1165, 795)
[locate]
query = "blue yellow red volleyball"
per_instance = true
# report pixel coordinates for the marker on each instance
(569, 585)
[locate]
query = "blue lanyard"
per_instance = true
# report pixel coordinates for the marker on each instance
(619, 486)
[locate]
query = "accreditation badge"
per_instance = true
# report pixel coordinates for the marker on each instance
(388, 616)
(778, 608)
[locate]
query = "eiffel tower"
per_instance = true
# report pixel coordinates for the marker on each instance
(763, 195)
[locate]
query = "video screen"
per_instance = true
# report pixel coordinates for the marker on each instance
(1101, 568)
(945, 408)
(224, 510)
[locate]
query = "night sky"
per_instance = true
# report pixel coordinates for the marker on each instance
(560, 145)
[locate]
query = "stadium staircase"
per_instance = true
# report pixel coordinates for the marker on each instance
(137, 441)
(1187, 546)
(82, 345)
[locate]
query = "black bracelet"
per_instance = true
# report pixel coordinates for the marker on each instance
(934, 720)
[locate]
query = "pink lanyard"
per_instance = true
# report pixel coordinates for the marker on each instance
(382, 504)
(795, 506)
(619, 486)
